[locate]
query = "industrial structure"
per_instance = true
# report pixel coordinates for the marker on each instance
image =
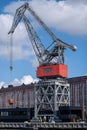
(23, 97)
(52, 90)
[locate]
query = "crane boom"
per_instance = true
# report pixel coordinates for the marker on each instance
(38, 47)
(43, 55)
(18, 16)
(53, 36)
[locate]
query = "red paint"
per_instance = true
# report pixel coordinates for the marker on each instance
(52, 70)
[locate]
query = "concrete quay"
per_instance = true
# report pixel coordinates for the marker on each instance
(43, 125)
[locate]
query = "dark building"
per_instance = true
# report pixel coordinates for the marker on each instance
(70, 113)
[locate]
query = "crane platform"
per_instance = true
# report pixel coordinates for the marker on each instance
(44, 125)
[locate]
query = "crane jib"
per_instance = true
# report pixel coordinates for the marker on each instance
(20, 12)
(44, 56)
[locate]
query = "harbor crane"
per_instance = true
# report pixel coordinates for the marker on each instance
(52, 90)
(48, 60)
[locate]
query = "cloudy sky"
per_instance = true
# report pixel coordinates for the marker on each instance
(66, 18)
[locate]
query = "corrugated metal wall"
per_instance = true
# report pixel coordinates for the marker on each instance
(22, 96)
(78, 93)
(77, 85)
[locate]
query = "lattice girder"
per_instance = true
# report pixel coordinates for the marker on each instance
(50, 94)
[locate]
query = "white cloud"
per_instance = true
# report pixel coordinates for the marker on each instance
(34, 62)
(76, 1)
(21, 45)
(11, 8)
(26, 79)
(2, 84)
(67, 15)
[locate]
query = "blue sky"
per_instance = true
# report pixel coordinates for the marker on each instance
(67, 19)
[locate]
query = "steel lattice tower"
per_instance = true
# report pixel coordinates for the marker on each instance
(49, 95)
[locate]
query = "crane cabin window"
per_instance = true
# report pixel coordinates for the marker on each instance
(47, 70)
